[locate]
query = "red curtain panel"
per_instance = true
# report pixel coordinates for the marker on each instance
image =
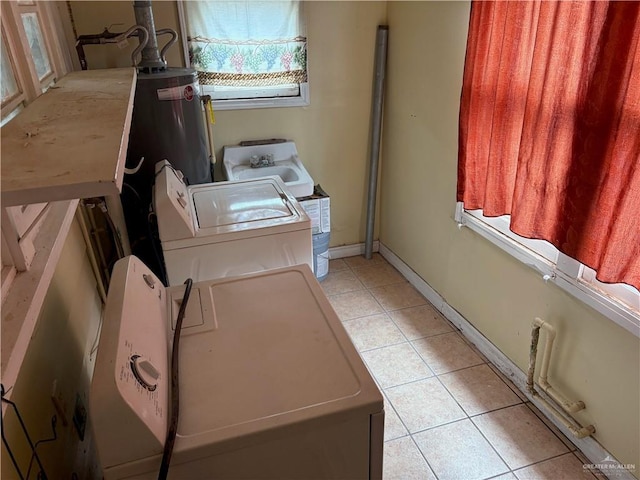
(550, 127)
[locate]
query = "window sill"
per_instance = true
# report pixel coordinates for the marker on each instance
(301, 100)
(602, 303)
(221, 105)
(25, 293)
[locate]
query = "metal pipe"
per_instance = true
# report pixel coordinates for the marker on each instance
(112, 37)
(376, 127)
(151, 60)
(172, 40)
(141, 45)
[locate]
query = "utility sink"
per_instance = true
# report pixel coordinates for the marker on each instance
(279, 159)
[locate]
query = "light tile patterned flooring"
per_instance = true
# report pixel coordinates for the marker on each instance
(449, 413)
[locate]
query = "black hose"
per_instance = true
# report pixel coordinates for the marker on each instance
(175, 397)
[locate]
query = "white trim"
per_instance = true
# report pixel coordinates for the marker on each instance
(182, 23)
(559, 274)
(301, 100)
(350, 250)
(588, 446)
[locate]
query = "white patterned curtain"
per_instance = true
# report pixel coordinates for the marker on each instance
(247, 43)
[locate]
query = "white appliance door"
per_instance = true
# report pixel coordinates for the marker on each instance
(241, 203)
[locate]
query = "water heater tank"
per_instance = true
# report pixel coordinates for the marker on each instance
(167, 124)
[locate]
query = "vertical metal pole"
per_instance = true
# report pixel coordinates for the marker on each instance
(376, 127)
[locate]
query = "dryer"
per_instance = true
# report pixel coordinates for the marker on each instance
(223, 229)
(270, 384)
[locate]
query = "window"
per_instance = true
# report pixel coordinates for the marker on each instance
(30, 60)
(248, 54)
(37, 45)
(10, 88)
(549, 128)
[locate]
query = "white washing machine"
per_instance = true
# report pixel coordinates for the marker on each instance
(223, 229)
(270, 383)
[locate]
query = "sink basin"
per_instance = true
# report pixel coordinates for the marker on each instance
(286, 164)
(287, 173)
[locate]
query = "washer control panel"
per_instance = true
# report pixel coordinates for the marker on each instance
(130, 387)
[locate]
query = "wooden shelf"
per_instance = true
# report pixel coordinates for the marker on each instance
(70, 142)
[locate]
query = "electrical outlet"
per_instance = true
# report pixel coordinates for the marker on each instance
(80, 417)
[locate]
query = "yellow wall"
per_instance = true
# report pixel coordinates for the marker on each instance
(60, 350)
(331, 134)
(594, 360)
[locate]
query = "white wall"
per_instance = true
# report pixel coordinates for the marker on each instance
(594, 360)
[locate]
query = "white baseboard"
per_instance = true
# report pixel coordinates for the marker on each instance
(351, 250)
(595, 452)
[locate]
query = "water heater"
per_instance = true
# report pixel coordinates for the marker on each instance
(167, 124)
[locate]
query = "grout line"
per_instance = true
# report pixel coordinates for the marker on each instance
(541, 461)
(424, 458)
(563, 439)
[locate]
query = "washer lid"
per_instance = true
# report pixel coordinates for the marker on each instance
(274, 355)
(241, 203)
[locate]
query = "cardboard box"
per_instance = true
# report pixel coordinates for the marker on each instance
(317, 207)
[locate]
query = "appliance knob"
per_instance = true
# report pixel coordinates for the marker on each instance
(146, 374)
(182, 202)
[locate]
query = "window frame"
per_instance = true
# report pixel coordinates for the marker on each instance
(564, 271)
(279, 99)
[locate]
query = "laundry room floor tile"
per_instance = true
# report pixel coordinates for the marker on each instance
(465, 419)
(354, 304)
(419, 322)
(478, 390)
(396, 364)
(398, 295)
(341, 281)
(519, 436)
(373, 331)
(565, 467)
(424, 404)
(393, 426)
(337, 264)
(378, 275)
(446, 353)
(458, 450)
(360, 261)
(403, 461)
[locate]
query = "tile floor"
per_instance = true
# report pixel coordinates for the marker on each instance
(449, 413)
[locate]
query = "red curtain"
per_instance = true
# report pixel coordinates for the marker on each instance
(550, 127)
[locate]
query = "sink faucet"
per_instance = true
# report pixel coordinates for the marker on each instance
(257, 161)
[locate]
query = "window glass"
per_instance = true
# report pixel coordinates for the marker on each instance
(36, 44)
(9, 84)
